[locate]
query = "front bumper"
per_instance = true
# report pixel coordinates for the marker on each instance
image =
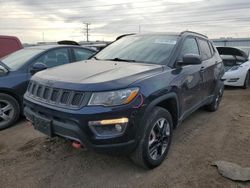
(73, 124)
(234, 78)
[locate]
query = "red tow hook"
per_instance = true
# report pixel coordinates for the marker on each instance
(76, 145)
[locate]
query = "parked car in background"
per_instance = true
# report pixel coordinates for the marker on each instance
(237, 66)
(97, 47)
(9, 44)
(129, 96)
(17, 68)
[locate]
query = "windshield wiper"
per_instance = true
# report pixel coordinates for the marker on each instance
(125, 60)
(5, 66)
(120, 59)
(94, 58)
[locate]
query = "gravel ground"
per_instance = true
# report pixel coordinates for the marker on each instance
(29, 159)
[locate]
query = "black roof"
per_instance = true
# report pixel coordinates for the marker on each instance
(165, 33)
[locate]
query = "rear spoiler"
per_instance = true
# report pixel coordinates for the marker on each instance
(68, 42)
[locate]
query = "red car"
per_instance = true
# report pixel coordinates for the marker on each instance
(9, 44)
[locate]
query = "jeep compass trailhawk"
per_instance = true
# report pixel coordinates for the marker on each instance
(130, 96)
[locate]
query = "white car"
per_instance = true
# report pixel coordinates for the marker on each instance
(237, 66)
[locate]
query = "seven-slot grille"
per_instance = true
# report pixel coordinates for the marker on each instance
(55, 96)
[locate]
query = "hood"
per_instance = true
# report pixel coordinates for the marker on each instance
(232, 57)
(232, 51)
(95, 75)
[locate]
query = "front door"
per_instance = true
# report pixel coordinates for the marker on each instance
(190, 77)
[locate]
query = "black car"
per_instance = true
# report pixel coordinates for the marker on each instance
(17, 68)
(130, 96)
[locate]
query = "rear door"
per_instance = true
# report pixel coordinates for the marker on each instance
(190, 77)
(54, 57)
(208, 68)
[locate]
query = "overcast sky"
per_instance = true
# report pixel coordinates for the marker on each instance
(53, 20)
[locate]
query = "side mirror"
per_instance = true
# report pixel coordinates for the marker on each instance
(190, 59)
(37, 67)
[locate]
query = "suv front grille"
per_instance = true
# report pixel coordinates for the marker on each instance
(76, 99)
(55, 96)
(65, 97)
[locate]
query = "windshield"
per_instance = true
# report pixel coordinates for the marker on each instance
(154, 49)
(17, 59)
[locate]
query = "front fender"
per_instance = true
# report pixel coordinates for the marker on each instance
(148, 109)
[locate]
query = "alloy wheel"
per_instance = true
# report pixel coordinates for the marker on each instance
(159, 138)
(6, 111)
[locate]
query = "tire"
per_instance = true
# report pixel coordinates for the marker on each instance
(154, 136)
(214, 105)
(9, 111)
(247, 81)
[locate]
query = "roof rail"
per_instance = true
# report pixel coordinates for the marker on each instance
(193, 33)
(124, 35)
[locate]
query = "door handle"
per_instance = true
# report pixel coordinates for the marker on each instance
(202, 69)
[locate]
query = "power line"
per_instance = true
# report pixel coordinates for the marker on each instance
(92, 18)
(204, 22)
(99, 6)
(48, 11)
(213, 8)
(72, 1)
(157, 19)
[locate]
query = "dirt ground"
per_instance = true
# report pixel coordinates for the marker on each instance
(29, 159)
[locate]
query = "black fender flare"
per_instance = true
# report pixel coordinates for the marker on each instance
(150, 106)
(218, 86)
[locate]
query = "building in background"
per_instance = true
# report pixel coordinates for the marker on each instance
(232, 42)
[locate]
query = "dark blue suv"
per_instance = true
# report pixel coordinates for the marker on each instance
(130, 96)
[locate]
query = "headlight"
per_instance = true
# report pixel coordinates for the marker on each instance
(236, 67)
(113, 98)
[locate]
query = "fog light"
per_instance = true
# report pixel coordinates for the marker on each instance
(118, 127)
(233, 79)
(109, 127)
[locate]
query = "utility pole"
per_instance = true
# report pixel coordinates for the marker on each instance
(86, 30)
(43, 36)
(139, 28)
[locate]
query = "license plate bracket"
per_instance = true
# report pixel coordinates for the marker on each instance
(43, 125)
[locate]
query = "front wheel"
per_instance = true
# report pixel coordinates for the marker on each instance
(247, 80)
(154, 145)
(9, 111)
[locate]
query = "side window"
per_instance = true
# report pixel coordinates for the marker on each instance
(211, 48)
(189, 47)
(54, 58)
(205, 50)
(82, 54)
